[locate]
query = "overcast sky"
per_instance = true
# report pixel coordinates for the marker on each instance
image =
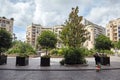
(54, 12)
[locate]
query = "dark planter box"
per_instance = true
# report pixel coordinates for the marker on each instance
(22, 61)
(3, 59)
(105, 60)
(45, 61)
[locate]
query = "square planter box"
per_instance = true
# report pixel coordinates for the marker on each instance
(45, 61)
(3, 59)
(105, 60)
(22, 61)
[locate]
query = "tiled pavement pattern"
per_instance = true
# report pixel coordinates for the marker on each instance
(60, 75)
(56, 72)
(34, 64)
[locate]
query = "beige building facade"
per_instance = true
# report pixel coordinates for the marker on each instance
(57, 30)
(113, 30)
(32, 33)
(34, 30)
(92, 29)
(6, 24)
(93, 32)
(44, 29)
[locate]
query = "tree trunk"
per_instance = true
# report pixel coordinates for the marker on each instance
(46, 51)
(0, 53)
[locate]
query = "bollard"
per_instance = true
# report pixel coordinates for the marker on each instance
(98, 68)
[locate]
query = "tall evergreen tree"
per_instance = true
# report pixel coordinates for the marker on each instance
(73, 33)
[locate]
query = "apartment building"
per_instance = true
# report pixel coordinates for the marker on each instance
(113, 30)
(44, 29)
(93, 32)
(32, 33)
(57, 30)
(7, 24)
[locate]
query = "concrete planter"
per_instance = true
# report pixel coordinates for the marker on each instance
(105, 60)
(45, 61)
(3, 59)
(22, 61)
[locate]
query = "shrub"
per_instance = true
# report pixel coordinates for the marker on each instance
(74, 56)
(54, 52)
(87, 52)
(108, 52)
(21, 49)
(91, 52)
(62, 62)
(61, 51)
(46, 56)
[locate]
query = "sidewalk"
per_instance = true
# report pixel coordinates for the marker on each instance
(34, 64)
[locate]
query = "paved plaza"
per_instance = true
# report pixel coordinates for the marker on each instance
(59, 75)
(57, 72)
(34, 64)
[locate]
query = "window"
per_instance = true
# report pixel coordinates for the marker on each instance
(3, 24)
(3, 28)
(7, 22)
(3, 21)
(118, 27)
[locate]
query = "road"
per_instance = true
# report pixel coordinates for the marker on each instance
(60, 75)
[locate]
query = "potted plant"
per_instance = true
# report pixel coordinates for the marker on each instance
(5, 44)
(22, 50)
(47, 40)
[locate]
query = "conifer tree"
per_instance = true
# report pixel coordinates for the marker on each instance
(74, 33)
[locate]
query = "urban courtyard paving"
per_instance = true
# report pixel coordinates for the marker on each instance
(57, 72)
(60, 75)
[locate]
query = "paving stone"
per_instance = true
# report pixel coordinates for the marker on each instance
(62, 74)
(34, 64)
(59, 75)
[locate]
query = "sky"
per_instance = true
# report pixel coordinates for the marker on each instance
(49, 13)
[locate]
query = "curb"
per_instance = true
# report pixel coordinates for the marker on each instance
(58, 69)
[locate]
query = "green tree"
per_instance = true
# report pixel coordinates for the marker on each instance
(73, 36)
(22, 49)
(74, 33)
(115, 44)
(118, 45)
(5, 40)
(47, 40)
(103, 43)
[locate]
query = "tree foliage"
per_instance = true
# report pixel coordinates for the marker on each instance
(74, 56)
(21, 49)
(47, 40)
(5, 40)
(73, 33)
(117, 44)
(103, 43)
(73, 36)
